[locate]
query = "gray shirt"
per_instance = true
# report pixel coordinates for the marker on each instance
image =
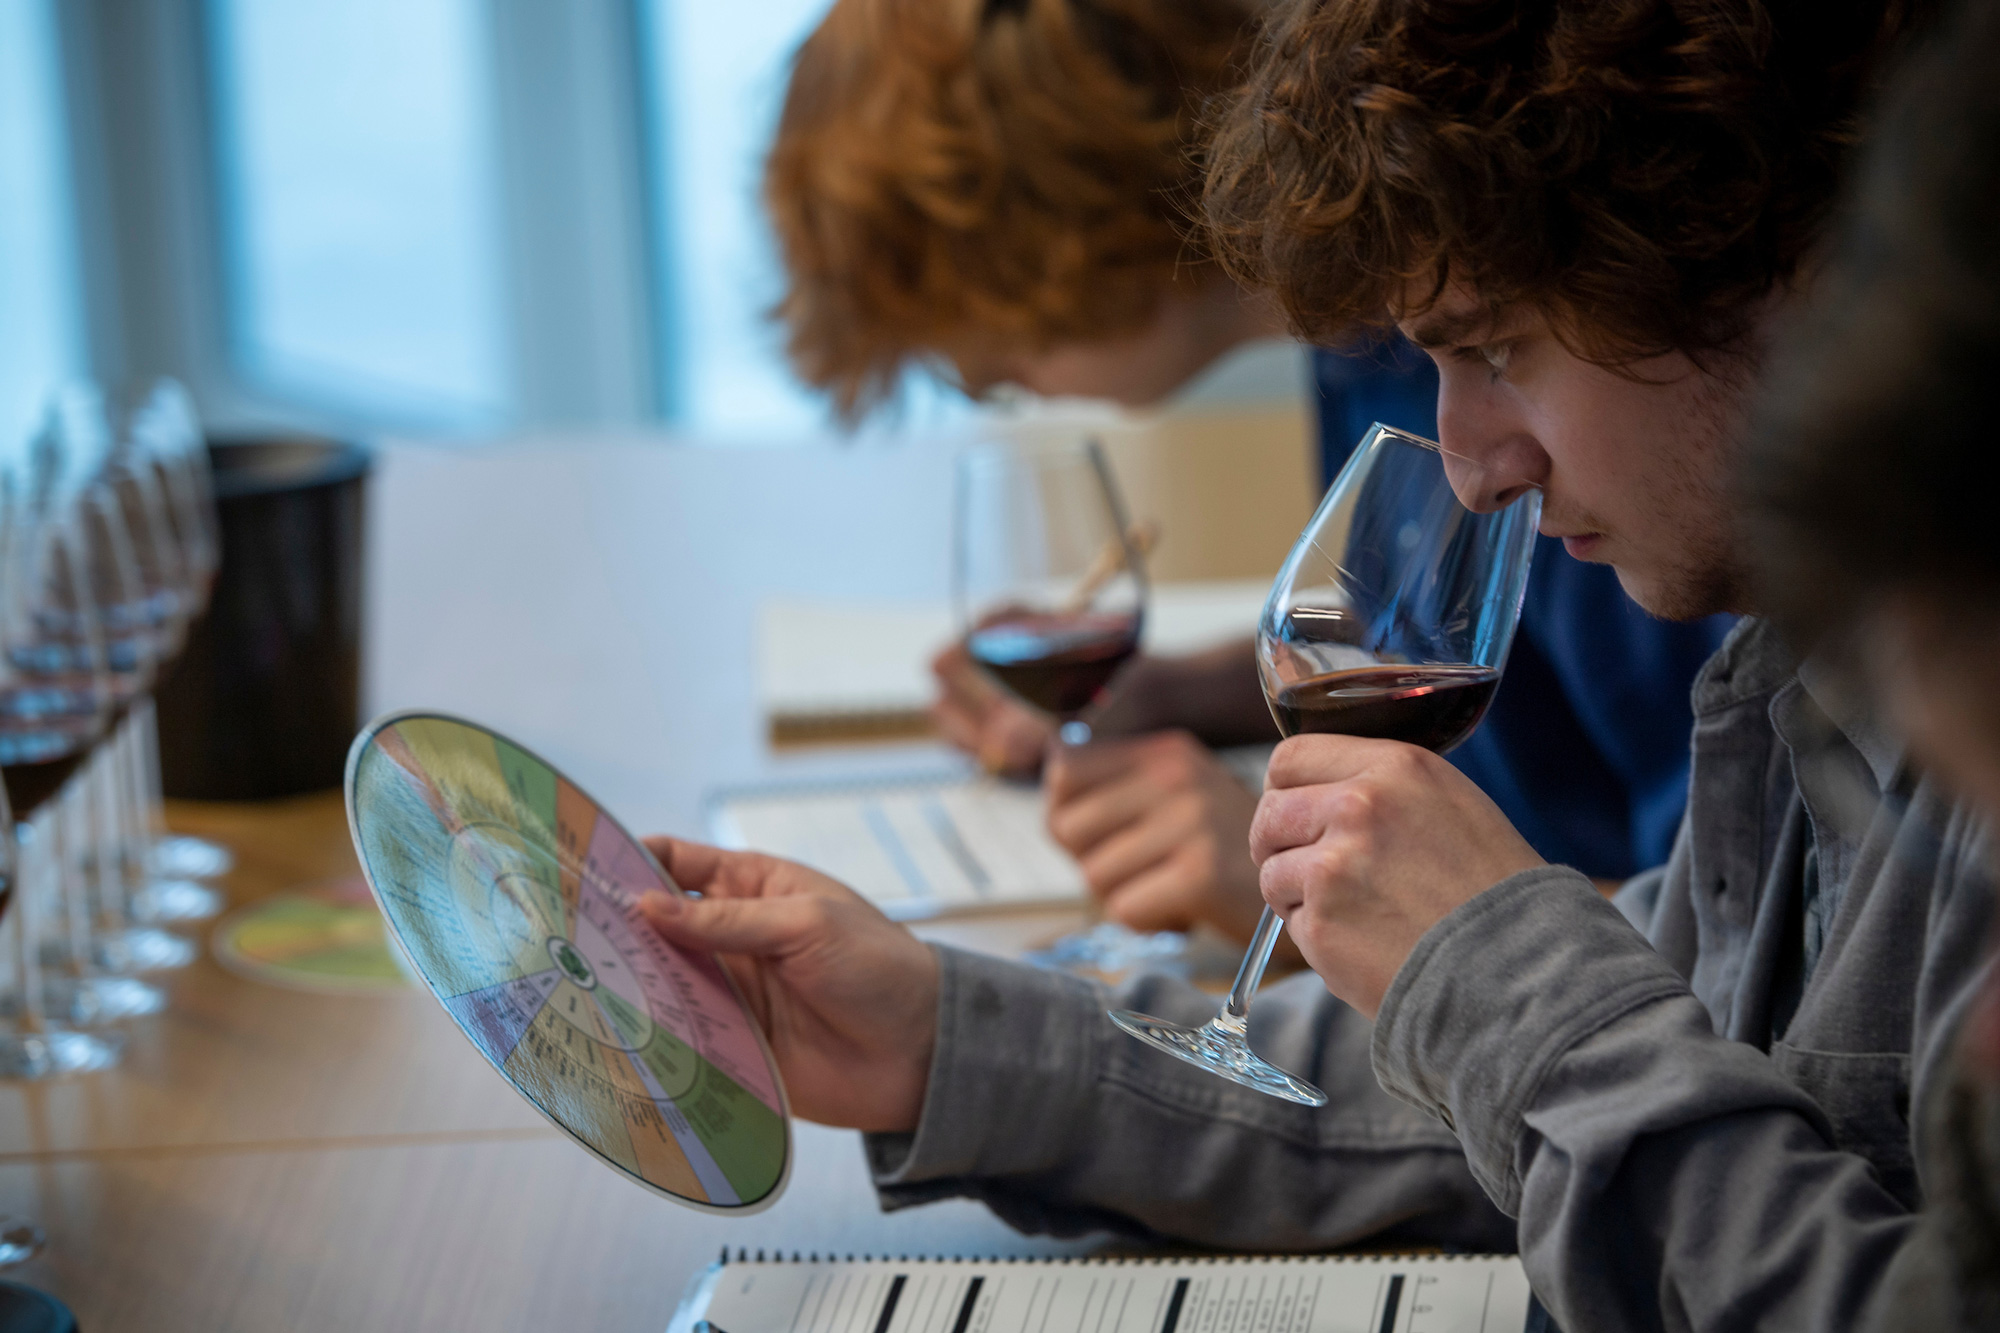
(1603, 1075)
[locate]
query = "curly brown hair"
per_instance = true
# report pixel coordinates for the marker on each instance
(987, 169)
(1643, 171)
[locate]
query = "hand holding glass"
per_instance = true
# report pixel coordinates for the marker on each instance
(1391, 618)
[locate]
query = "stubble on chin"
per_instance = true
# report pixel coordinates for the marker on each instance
(1692, 506)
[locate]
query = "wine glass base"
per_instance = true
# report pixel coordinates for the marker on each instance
(176, 900)
(92, 1001)
(184, 857)
(123, 952)
(56, 1052)
(20, 1240)
(1220, 1051)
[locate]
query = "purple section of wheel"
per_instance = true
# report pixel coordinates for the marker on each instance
(497, 1016)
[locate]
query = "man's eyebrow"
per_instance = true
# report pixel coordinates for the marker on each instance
(1436, 330)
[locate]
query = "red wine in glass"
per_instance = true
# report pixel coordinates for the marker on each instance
(30, 785)
(1059, 663)
(1432, 705)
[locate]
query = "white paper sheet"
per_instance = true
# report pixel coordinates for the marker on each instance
(916, 849)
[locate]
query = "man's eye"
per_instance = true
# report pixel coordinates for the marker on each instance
(1493, 356)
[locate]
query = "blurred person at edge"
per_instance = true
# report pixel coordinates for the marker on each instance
(1004, 187)
(1698, 1106)
(1872, 516)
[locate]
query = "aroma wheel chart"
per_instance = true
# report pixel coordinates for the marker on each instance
(515, 896)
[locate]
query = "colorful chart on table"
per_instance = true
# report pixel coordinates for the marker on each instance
(515, 896)
(327, 938)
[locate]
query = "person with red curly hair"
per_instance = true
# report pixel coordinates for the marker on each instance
(1006, 191)
(1696, 1107)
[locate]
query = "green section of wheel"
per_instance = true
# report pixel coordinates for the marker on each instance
(672, 1061)
(745, 1136)
(532, 782)
(632, 1025)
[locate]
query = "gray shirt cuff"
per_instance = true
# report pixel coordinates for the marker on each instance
(1015, 1064)
(1495, 994)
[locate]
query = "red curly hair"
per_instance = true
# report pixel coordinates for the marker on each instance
(1643, 171)
(955, 171)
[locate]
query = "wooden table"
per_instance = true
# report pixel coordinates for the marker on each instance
(269, 1160)
(274, 1160)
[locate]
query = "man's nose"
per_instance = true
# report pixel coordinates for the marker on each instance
(1482, 488)
(1486, 457)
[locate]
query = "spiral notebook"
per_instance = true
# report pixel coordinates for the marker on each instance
(1304, 1294)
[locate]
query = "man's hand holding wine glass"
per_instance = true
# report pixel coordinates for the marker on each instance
(1363, 845)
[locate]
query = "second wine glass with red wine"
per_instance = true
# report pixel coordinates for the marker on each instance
(1048, 579)
(1391, 618)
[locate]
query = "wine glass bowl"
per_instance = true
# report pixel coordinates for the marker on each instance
(1048, 581)
(1390, 619)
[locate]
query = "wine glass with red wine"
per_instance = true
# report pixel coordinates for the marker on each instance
(1049, 581)
(1391, 619)
(1049, 584)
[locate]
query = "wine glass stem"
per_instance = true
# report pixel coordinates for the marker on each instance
(27, 943)
(1236, 1010)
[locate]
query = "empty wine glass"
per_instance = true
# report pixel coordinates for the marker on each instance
(165, 439)
(1391, 618)
(161, 597)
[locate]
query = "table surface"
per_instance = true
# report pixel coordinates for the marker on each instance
(267, 1159)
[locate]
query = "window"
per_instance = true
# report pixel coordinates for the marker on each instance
(717, 77)
(717, 74)
(40, 328)
(355, 143)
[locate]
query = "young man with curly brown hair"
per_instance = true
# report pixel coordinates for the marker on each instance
(1006, 189)
(1691, 1109)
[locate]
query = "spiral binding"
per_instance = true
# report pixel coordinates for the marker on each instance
(1102, 1261)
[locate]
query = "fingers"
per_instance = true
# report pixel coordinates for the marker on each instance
(1080, 823)
(1166, 896)
(1014, 740)
(693, 866)
(975, 715)
(1284, 878)
(1299, 817)
(1076, 769)
(757, 926)
(1304, 761)
(1139, 845)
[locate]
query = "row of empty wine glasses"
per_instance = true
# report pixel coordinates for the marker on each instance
(107, 549)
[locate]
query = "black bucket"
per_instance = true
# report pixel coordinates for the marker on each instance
(266, 694)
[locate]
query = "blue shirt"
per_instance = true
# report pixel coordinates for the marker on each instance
(1586, 746)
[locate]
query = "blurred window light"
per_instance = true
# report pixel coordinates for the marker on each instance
(355, 144)
(716, 75)
(41, 336)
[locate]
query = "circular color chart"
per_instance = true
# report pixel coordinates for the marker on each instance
(515, 896)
